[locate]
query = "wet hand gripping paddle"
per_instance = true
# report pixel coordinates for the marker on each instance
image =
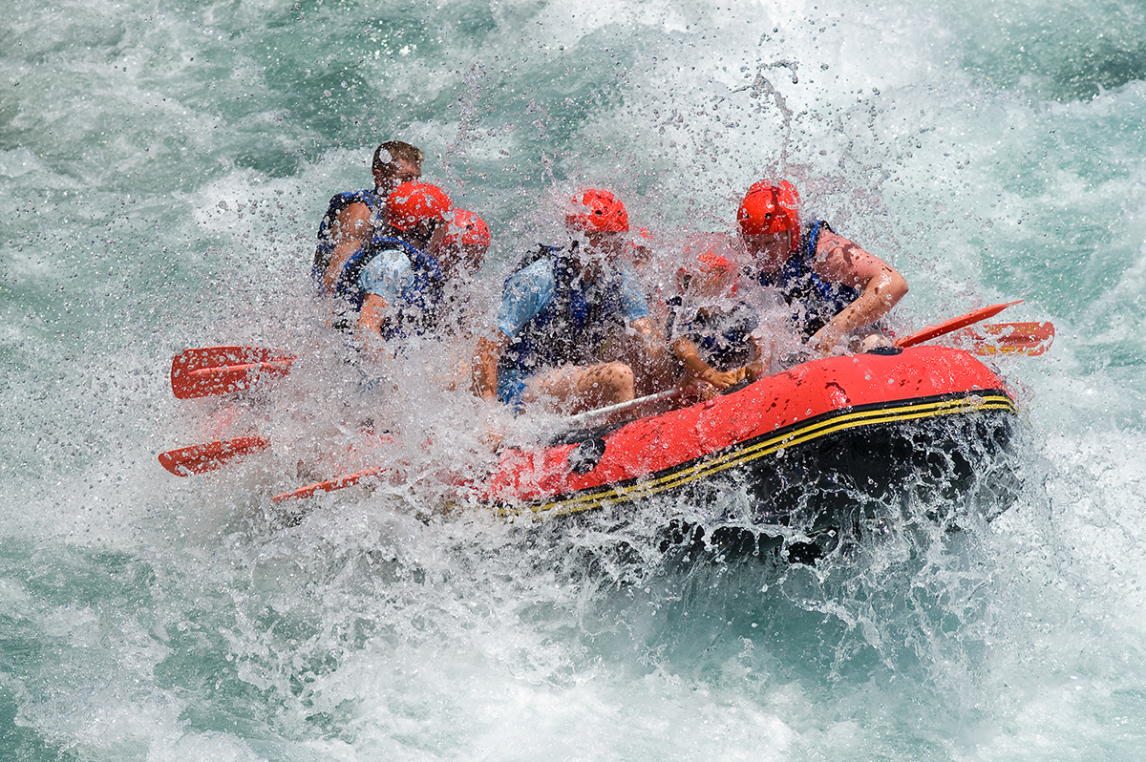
(223, 370)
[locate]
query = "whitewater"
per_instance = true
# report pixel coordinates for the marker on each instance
(163, 170)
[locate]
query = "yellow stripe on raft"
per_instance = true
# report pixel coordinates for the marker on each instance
(737, 456)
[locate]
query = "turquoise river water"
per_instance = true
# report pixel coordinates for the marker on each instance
(163, 168)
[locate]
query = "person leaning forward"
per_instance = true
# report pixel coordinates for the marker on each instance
(560, 308)
(715, 322)
(354, 218)
(838, 290)
(396, 278)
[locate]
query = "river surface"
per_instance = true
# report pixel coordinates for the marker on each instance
(163, 168)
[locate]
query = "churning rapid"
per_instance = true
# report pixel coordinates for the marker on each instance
(164, 168)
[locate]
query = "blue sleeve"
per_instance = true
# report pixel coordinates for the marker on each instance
(387, 275)
(526, 293)
(634, 305)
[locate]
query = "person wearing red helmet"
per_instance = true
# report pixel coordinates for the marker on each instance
(466, 242)
(560, 313)
(461, 254)
(395, 280)
(715, 322)
(838, 289)
(354, 218)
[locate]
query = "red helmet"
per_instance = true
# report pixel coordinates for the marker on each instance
(715, 266)
(412, 202)
(603, 213)
(768, 208)
(467, 229)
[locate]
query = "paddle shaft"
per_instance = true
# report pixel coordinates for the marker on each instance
(620, 407)
(350, 480)
(954, 324)
(330, 485)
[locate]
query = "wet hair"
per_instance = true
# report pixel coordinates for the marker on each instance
(387, 155)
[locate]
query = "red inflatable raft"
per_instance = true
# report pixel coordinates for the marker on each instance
(824, 446)
(801, 444)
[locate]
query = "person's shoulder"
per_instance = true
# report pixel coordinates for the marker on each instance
(843, 260)
(351, 207)
(538, 259)
(539, 271)
(531, 286)
(540, 265)
(365, 198)
(347, 197)
(829, 243)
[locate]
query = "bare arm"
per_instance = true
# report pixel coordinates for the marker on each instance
(654, 341)
(486, 358)
(685, 351)
(839, 260)
(350, 231)
(762, 358)
(369, 329)
(654, 365)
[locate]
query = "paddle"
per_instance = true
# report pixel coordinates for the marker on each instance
(330, 485)
(198, 459)
(349, 480)
(1031, 339)
(620, 407)
(222, 370)
(954, 324)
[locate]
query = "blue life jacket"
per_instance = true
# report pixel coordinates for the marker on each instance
(577, 320)
(418, 309)
(818, 301)
(723, 340)
(325, 249)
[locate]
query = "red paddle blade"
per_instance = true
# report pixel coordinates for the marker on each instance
(954, 324)
(1031, 339)
(199, 459)
(222, 370)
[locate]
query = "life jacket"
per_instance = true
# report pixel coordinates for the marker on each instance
(723, 339)
(817, 300)
(576, 321)
(419, 305)
(325, 248)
